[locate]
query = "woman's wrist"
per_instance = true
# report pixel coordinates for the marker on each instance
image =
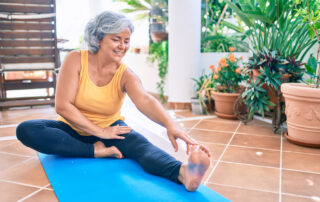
(170, 125)
(97, 131)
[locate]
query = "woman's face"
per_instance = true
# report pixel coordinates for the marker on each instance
(115, 46)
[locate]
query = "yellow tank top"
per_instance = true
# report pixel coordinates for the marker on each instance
(101, 105)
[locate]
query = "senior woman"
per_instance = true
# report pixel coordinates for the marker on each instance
(91, 88)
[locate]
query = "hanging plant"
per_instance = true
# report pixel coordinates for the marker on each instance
(159, 53)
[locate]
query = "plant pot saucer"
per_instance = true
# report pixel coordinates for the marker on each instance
(226, 116)
(298, 142)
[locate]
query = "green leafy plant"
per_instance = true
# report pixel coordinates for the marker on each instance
(159, 53)
(310, 11)
(140, 7)
(204, 86)
(270, 67)
(273, 24)
(279, 40)
(215, 32)
(311, 70)
(256, 99)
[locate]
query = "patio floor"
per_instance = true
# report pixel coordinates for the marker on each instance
(249, 163)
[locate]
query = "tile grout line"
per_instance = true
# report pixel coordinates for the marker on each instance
(314, 198)
(260, 190)
(220, 157)
(249, 147)
(3, 152)
(194, 118)
(7, 145)
(23, 184)
(8, 138)
(240, 133)
(246, 147)
(246, 188)
(17, 164)
(33, 193)
(9, 126)
(302, 153)
(280, 180)
(302, 171)
(193, 126)
(248, 164)
(262, 166)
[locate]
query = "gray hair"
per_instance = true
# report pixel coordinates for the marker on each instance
(107, 22)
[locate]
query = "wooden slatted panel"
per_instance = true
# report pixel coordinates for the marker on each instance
(26, 43)
(18, 103)
(49, 19)
(17, 35)
(26, 26)
(9, 60)
(33, 85)
(16, 51)
(26, 9)
(44, 2)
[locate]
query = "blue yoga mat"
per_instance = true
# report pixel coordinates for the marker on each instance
(85, 179)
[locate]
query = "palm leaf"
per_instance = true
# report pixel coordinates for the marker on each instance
(241, 15)
(232, 26)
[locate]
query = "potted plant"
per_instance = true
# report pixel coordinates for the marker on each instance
(202, 103)
(275, 30)
(227, 78)
(267, 71)
(303, 99)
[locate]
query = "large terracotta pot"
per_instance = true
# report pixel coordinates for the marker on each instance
(224, 103)
(303, 113)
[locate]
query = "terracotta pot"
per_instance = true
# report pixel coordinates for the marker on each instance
(159, 36)
(137, 50)
(224, 103)
(303, 113)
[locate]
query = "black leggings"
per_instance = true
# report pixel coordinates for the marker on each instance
(56, 137)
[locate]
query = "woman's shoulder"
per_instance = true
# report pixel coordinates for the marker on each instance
(129, 75)
(74, 57)
(72, 61)
(74, 54)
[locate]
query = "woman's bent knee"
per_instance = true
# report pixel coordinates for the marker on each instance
(26, 130)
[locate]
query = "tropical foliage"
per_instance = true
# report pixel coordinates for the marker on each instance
(279, 40)
(215, 32)
(274, 25)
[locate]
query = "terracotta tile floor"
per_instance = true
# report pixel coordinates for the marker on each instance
(249, 163)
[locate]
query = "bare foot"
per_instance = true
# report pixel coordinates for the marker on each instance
(100, 150)
(192, 174)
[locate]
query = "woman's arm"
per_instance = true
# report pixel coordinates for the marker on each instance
(67, 86)
(149, 106)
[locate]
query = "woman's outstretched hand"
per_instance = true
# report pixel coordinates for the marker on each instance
(176, 132)
(114, 132)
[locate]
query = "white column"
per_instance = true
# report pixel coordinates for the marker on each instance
(184, 48)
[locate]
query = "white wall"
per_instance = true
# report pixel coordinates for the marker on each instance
(146, 71)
